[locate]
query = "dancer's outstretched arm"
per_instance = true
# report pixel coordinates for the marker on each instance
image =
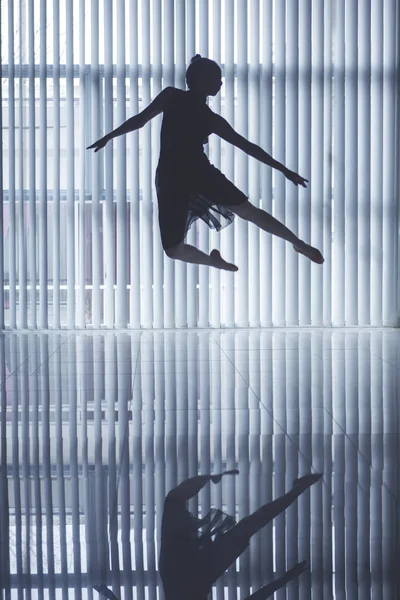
(222, 128)
(137, 121)
(269, 590)
(131, 124)
(191, 487)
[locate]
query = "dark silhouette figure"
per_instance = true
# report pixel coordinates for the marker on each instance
(188, 186)
(190, 563)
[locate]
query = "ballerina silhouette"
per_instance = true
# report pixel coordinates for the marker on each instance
(188, 186)
(190, 563)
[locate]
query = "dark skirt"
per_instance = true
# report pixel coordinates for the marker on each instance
(193, 192)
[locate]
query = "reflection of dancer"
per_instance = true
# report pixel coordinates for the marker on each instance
(188, 186)
(190, 564)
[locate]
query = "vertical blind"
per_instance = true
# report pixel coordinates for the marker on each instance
(316, 84)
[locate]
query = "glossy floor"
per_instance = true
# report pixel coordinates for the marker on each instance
(97, 427)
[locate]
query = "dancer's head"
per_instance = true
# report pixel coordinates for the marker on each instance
(204, 76)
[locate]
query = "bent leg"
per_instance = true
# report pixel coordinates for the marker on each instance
(189, 487)
(191, 254)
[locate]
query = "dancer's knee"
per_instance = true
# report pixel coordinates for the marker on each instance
(174, 251)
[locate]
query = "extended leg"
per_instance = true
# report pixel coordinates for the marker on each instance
(268, 223)
(266, 513)
(192, 486)
(189, 487)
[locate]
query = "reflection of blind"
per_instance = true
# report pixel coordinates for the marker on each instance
(312, 83)
(272, 404)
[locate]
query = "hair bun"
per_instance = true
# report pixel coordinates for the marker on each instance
(195, 58)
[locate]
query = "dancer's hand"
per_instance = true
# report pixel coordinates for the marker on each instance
(294, 177)
(217, 478)
(99, 144)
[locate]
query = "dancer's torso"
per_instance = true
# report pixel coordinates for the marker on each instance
(186, 125)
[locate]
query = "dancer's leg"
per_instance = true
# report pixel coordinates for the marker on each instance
(261, 517)
(189, 488)
(268, 590)
(228, 547)
(191, 254)
(265, 221)
(268, 223)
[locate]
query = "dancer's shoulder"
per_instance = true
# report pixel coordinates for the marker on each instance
(158, 105)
